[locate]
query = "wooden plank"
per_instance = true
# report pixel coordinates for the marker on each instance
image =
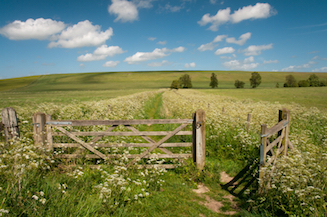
(39, 120)
(149, 139)
(119, 122)
(70, 156)
(10, 123)
(85, 145)
(200, 138)
(272, 144)
(164, 145)
(140, 133)
(157, 144)
(163, 166)
(281, 125)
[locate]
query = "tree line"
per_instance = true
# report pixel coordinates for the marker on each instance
(255, 80)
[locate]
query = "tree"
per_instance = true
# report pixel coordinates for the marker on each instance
(214, 80)
(303, 83)
(313, 81)
(239, 84)
(277, 85)
(290, 81)
(255, 79)
(185, 81)
(175, 84)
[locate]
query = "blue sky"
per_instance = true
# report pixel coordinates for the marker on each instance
(61, 36)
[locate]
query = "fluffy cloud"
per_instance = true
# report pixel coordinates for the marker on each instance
(246, 64)
(155, 54)
(257, 11)
(188, 65)
(101, 53)
(80, 35)
(241, 40)
(40, 29)
(208, 46)
(157, 64)
(322, 69)
(225, 50)
(173, 8)
(303, 66)
(162, 42)
(111, 64)
(152, 38)
(124, 10)
(211, 45)
(254, 50)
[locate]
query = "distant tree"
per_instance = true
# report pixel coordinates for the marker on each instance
(290, 81)
(303, 83)
(185, 81)
(239, 84)
(175, 84)
(313, 81)
(214, 80)
(277, 85)
(323, 83)
(255, 79)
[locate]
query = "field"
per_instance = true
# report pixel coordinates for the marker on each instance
(43, 185)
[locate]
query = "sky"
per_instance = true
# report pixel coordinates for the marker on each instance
(40, 37)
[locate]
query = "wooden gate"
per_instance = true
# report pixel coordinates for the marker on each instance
(279, 146)
(45, 127)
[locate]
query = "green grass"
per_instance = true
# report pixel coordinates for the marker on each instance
(14, 83)
(306, 96)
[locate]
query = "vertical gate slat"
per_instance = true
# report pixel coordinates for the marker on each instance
(10, 123)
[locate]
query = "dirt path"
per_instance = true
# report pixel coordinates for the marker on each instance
(215, 205)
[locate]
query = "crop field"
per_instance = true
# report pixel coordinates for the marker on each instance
(45, 186)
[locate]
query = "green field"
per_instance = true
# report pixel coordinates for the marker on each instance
(96, 86)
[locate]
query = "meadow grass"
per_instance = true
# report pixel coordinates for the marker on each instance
(14, 83)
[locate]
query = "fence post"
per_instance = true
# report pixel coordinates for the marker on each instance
(49, 133)
(10, 123)
(248, 122)
(199, 138)
(263, 148)
(39, 128)
(284, 115)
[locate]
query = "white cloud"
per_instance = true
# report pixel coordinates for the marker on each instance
(155, 54)
(213, 1)
(109, 51)
(110, 64)
(254, 50)
(157, 64)
(82, 65)
(294, 68)
(219, 38)
(247, 64)
(208, 46)
(228, 58)
(225, 50)
(162, 42)
(270, 61)
(241, 40)
(322, 69)
(101, 53)
(188, 65)
(152, 38)
(124, 10)
(173, 8)
(40, 29)
(143, 3)
(80, 35)
(258, 11)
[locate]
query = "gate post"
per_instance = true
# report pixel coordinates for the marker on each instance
(199, 139)
(39, 128)
(10, 123)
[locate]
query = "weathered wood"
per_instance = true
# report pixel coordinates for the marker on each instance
(148, 139)
(286, 116)
(139, 133)
(85, 145)
(69, 156)
(272, 144)
(123, 145)
(10, 123)
(248, 122)
(163, 166)
(194, 138)
(117, 122)
(39, 130)
(157, 144)
(49, 133)
(276, 128)
(200, 139)
(263, 145)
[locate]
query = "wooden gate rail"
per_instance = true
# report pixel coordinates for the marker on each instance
(44, 125)
(282, 143)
